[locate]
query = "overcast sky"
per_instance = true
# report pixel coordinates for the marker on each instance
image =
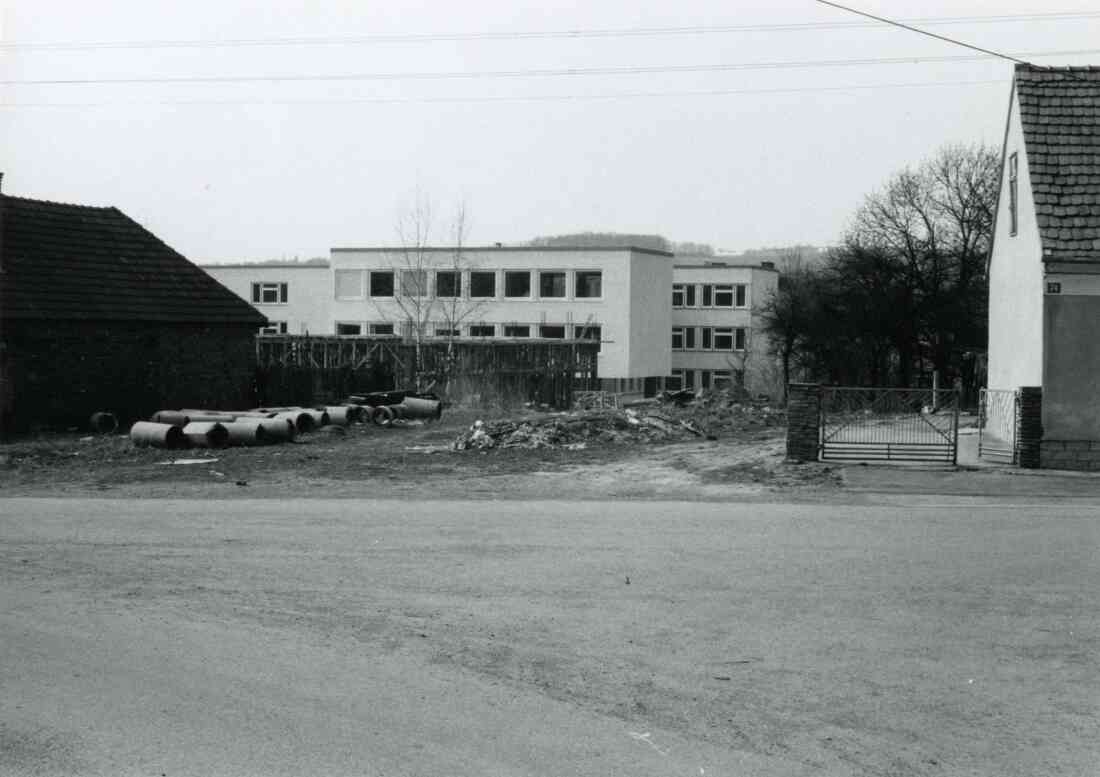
(231, 170)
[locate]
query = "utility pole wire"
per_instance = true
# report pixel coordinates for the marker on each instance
(924, 32)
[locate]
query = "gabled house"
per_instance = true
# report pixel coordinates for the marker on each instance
(97, 313)
(1044, 271)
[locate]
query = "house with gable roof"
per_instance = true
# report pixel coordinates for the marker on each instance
(98, 314)
(1044, 267)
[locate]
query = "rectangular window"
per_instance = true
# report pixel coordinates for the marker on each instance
(448, 283)
(705, 338)
(740, 295)
(677, 295)
(414, 283)
(517, 283)
(677, 338)
(556, 331)
(721, 378)
(723, 339)
(723, 296)
(739, 340)
(483, 284)
(445, 331)
(517, 330)
(381, 283)
(689, 295)
(588, 284)
(348, 329)
(381, 329)
(349, 284)
(689, 379)
(676, 381)
(1013, 193)
(483, 330)
(708, 296)
(269, 293)
(551, 285)
(274, 328)
(704, 379)
(689, 338)
(587, 332)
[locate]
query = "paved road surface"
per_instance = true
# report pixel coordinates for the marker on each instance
(349, 637)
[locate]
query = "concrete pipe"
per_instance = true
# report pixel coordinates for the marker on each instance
(246, 431)
(342, 415)
(320, 417)
(255, 414)
(103, 423)
(279, 429)
(414, 407)
(303, 421)
(206, 434)
(199, 416)
(173, 417)
(146, 433)
(383, 415)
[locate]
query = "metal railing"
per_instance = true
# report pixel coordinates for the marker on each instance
(889, 424)
(998, 417)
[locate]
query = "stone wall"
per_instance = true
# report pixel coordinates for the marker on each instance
(1070, 454)
(56, 373)
(803, 421)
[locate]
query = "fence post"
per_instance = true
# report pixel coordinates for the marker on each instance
(803, 421)
(1029, 428)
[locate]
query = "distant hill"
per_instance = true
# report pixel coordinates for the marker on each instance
(316, 261)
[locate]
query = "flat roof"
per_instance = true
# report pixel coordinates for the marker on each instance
(478, 249)
(273, 264)
(724, 265)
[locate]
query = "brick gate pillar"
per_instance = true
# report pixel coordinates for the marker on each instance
(803, 421)
(1029, 426)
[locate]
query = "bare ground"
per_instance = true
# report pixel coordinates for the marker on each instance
(745, 458)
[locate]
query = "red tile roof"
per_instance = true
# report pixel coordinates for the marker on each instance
(1060, 111)
(68, 262)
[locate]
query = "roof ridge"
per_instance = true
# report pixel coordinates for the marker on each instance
(58, 202)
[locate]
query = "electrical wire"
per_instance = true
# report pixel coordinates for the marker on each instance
(537, 73)
(611, 96)
(626, 32)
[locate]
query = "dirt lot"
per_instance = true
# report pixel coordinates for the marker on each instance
(715, 454)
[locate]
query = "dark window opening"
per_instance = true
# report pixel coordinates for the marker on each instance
(448, 283)
(517, 284)
(552, 284)
(589, 283)
(381, 284)
(483, 284)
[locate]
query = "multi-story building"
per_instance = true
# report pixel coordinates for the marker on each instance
(296, 297)
(619, 296)
(716, 334)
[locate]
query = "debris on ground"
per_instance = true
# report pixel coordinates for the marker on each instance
(708, 414)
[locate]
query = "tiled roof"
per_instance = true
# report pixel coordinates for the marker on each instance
(1060, 111)
(65, 261)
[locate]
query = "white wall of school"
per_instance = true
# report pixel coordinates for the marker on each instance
(309, 292)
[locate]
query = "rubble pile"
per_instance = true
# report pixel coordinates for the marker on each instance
(711, 416)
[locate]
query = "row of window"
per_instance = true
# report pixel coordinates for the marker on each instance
(708, 295)
(710, 338)
(685, 379)
(552, 331)
(474, 284)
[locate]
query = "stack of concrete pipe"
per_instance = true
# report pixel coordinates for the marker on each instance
(201, 428)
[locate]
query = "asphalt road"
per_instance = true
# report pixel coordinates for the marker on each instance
(348, 637)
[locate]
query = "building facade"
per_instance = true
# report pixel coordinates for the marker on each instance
(1044, 268)
(717, 340)
(628, 299)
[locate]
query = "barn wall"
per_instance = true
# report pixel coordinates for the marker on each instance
(59, 372)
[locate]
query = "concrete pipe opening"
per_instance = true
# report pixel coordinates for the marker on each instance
(206, 434)
(303, 421)
(246, 431)
(155, 435)
(384, 415)
(103, 423)
(342, 415)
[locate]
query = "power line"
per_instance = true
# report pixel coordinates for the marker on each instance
(626, 32)
(924, 32)
(536, 73)
(611, 96)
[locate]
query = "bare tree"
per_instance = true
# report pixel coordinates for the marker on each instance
(420, 306)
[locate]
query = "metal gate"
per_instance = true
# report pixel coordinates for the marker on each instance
(889, 424)
(998, 417)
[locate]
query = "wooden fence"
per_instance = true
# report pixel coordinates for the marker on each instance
(301, 369)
